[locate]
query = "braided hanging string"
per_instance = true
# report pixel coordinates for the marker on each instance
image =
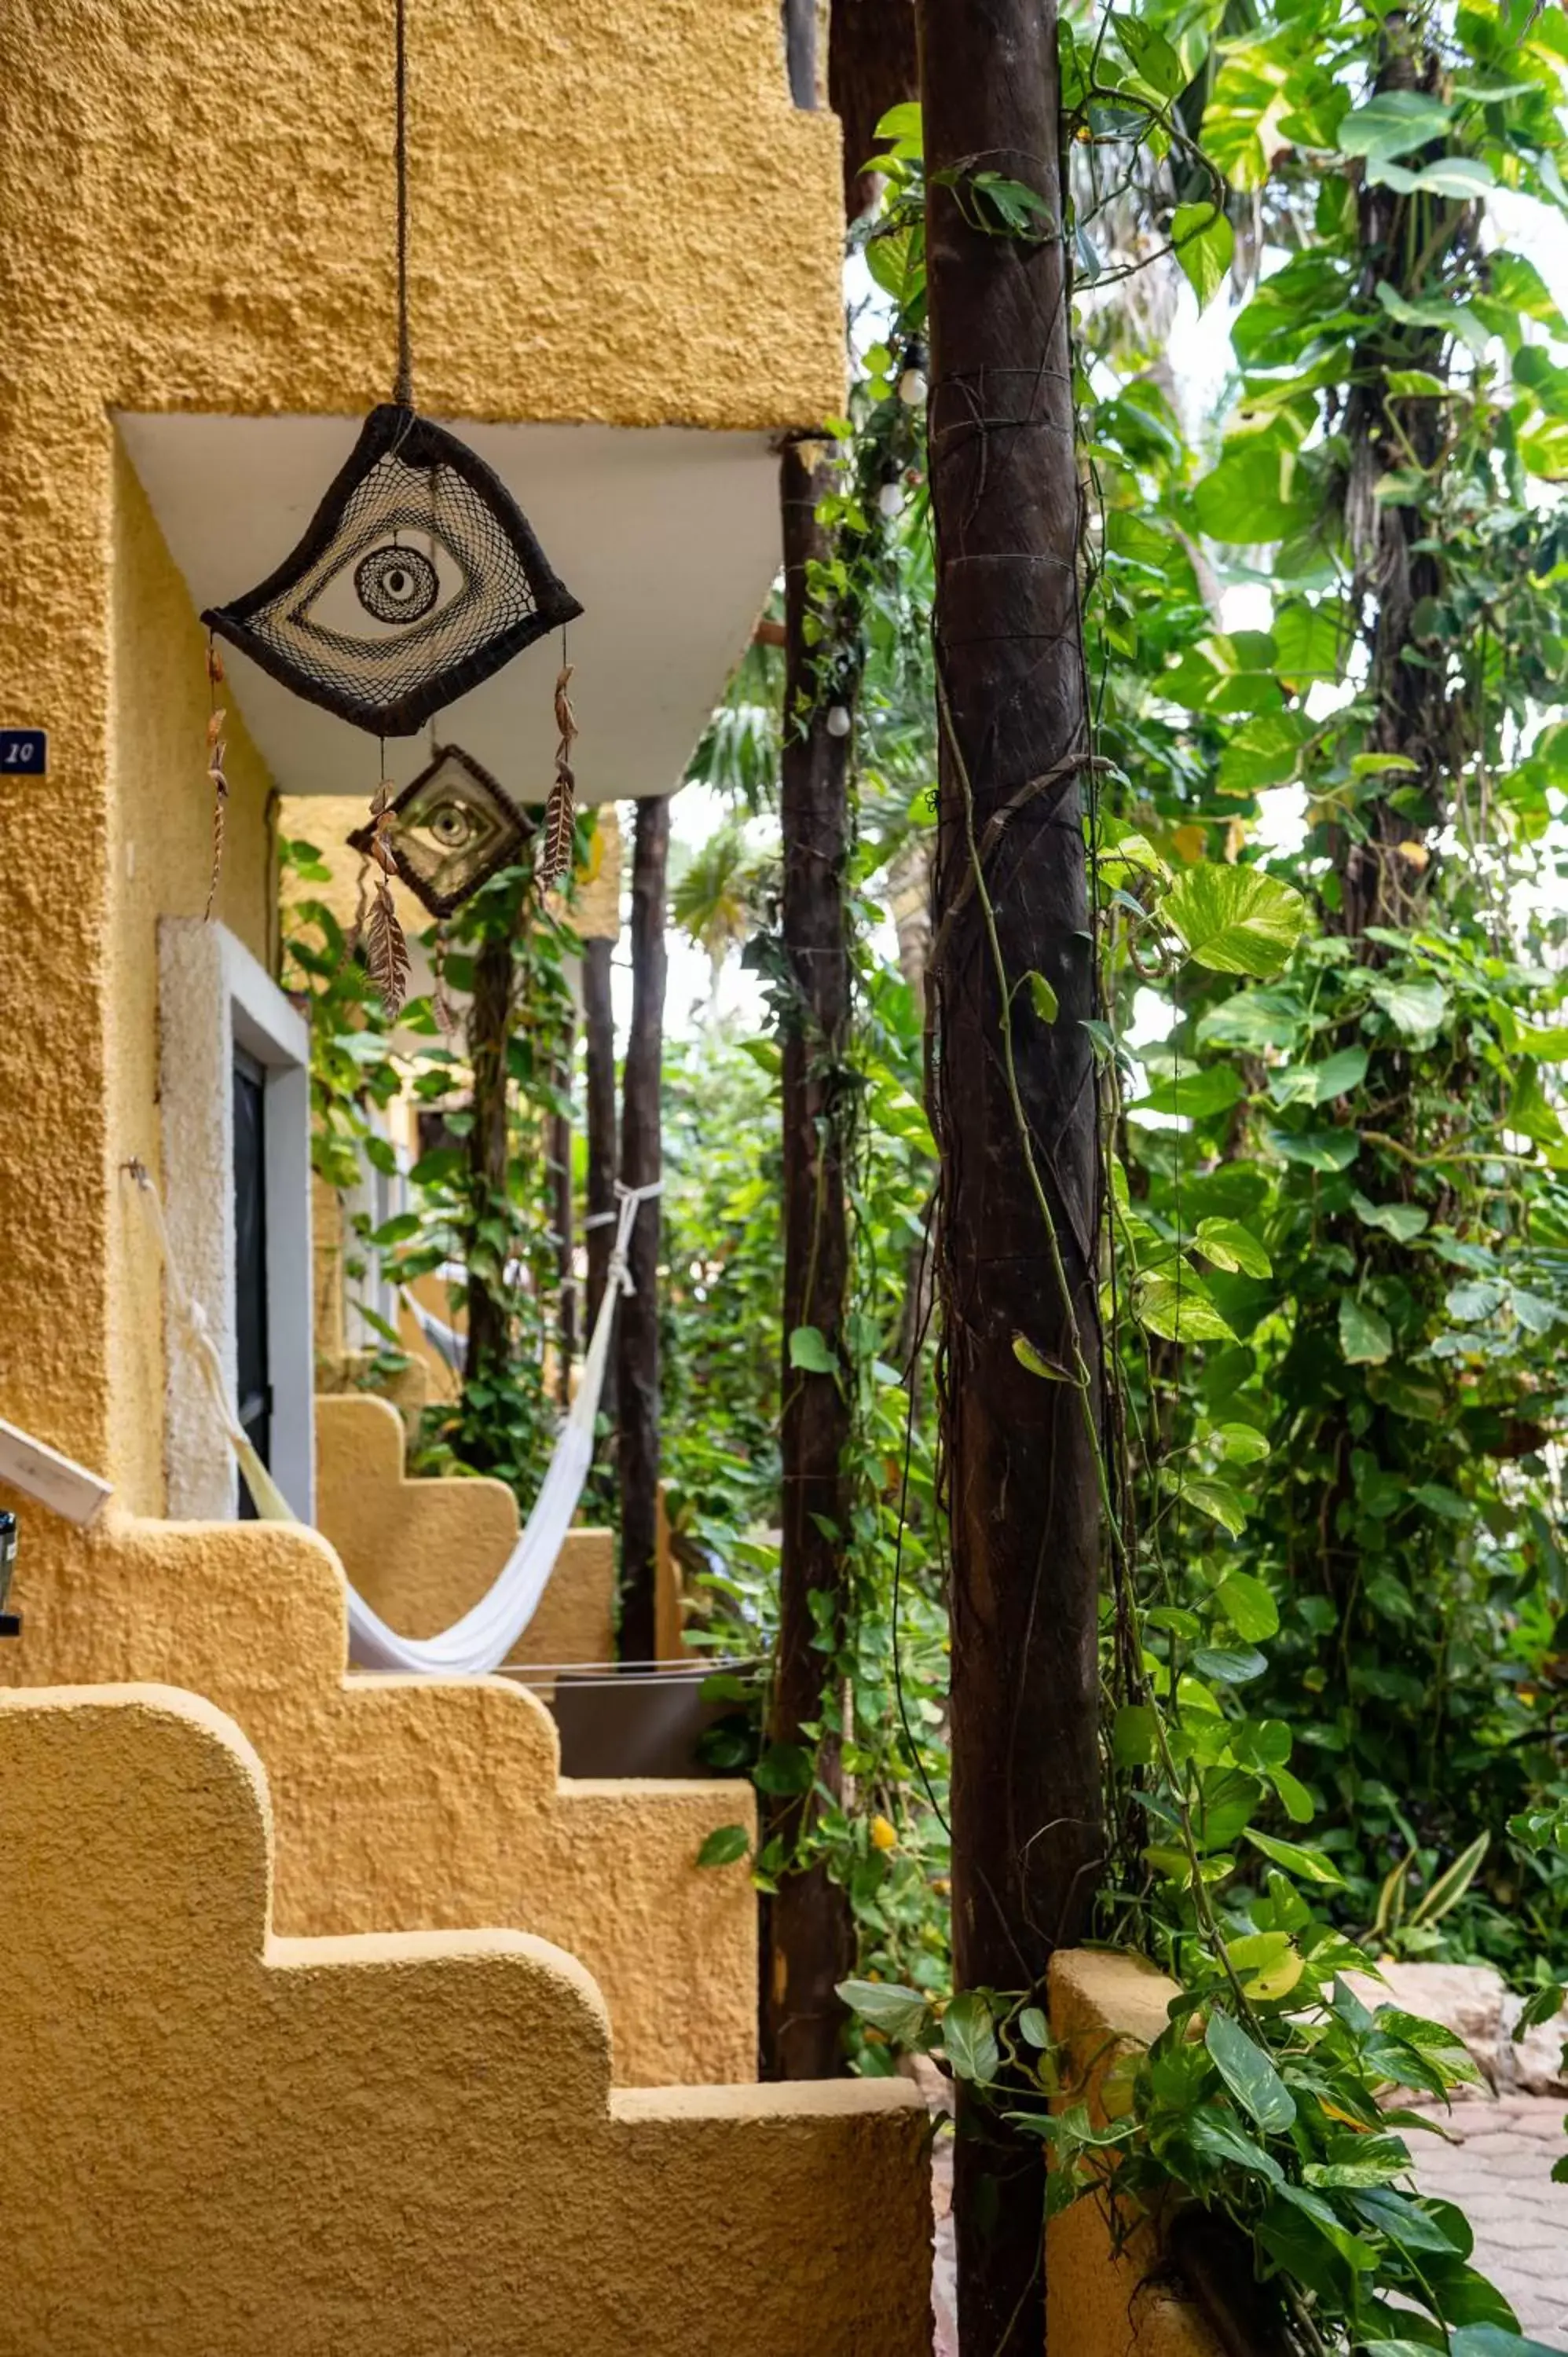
(403, 390)
(217, 748)
(376, 928)
(561, 810)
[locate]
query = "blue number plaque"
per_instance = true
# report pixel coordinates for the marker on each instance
(24, 753)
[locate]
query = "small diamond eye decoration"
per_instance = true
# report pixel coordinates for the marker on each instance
(418, 577)
(453, 827)
(396, 584)
(451, 830)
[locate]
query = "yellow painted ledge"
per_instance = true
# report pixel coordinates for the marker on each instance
(216, 2142)
(422, 1553)
(411, 1804)
(1100, 2302)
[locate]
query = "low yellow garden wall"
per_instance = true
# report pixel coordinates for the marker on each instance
(216, 2142)
(422, 1553)
(411, 1804)
(1100, 2302)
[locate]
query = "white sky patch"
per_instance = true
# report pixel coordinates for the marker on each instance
(1247, 606)
(1198, 346)
(1153, 1018)
(696, 816)
(1527, 227)
(1280, 826)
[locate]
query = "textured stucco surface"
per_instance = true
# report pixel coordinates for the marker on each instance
(217, 2142)
(1100, 2302)
(412, 1804)
(160, 865)
(203, 222)
(98, 644)
(595, 227)
(422, 1553)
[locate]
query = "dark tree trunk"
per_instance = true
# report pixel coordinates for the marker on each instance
(564, 1221)
(638, 1336)
(872, 65)
(1020, 1450)
(598, 1025)
(811, 1932)
(1396, 564)
(490, 1029)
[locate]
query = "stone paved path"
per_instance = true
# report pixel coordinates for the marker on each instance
(1499, 2173)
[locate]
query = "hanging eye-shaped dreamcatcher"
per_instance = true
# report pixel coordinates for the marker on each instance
(449, 832)
(418, 577)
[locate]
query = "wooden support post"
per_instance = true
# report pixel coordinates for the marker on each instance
(640, 1163)
(810, 1932)
(599, 1030)
(1011, 893)
(566, 1227)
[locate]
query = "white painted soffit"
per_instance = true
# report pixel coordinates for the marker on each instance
(668, 536)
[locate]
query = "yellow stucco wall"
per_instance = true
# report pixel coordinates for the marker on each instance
(220, 2143)
(411, 1803)
(202, 222)
(326, 822)
(422, 1553)
(1100, 2302)
(160, 864)
(196, 215)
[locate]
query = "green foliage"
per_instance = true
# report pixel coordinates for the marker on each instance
(499, 1235)
(1336, 1619)
(354, 1073)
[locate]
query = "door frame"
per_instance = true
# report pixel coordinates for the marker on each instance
(213, 996)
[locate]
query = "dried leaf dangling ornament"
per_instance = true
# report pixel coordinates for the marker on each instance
(386, 950)
(561, 810)
(217, 747)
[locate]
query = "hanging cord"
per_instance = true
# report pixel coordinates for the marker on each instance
(217, 747)
(403, 391)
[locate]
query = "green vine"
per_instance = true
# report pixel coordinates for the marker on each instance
(1313, 1339)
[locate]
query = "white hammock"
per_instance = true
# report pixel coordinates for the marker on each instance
(481, 1640)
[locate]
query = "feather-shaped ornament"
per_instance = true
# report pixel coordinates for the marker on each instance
(386, 949)
(561, 810)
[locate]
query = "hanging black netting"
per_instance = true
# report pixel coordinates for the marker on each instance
(419, 577)
(451, 830)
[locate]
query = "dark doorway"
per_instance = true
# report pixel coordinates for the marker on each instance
(253, 1385)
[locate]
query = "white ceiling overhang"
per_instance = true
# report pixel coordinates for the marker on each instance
(667, 536)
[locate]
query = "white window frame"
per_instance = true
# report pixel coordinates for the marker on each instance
(377, 1195)
(214, 998)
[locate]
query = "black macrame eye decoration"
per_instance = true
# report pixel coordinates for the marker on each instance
(418, 577)
(450, 831)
